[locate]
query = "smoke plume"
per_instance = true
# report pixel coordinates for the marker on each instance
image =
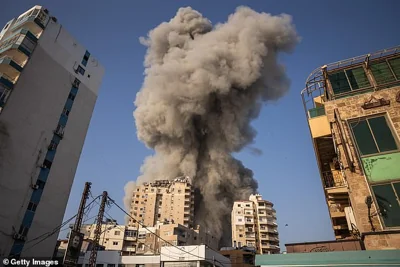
(203, 86)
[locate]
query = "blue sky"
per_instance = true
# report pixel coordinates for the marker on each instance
(286, 171)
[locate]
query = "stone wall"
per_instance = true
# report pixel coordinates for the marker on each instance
(349, 108)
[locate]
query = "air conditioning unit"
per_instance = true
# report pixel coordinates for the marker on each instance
(351, 220)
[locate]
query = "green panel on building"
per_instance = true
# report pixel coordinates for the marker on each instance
(381, 258)
(382, 167)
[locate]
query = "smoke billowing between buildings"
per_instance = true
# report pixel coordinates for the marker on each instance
(203, 86)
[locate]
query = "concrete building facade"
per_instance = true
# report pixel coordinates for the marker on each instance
(48, 88)
(254, 225)
(353, 111)
(130, 240)
(163, 201)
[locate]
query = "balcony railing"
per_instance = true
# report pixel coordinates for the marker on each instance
(333, 179)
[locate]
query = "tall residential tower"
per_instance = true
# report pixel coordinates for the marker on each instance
(48, 88)
(254, 225)
(163, 201)
(353, 112)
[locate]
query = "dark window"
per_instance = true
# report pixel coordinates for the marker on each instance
(110, 265)
(85, 58)
(65, 112)
(382, 73)
(5, 27)
(387, 196)
(53, 145)
(395, 65)
(46, 164)
(99, 265)
(71, 96)
(373, 135)
(80, 70)
(59, 130)
(40, 184)
(348, 80)
(76, 83)
(115, 243)
(32, 206)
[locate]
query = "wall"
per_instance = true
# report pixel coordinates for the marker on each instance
(349, 108)
(344, 245)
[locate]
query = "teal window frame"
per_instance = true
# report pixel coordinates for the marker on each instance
(348, 83)
(386, 71)
(378, 145)
(389, 204)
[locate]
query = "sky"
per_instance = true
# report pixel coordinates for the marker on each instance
(286, 171)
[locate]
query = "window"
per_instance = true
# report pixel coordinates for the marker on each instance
(395, 65)
(59, 130)
(5, 27)
(71, 96)
(247, 205)
(85, 58)
(117, 232)
(66, 112)
(40, 184)
(387, 198)
(382, 73)
(110, 265)
(115, 243)
(32, 206)
(46, 164)
(4, 92)
(53, 145)
(348, 80)
(240, 220)
(373, 135)
(76, 83)
(80, 70)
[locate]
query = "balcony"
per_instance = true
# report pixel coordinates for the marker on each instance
(334, 182)
(34, 21)
(18, 46)
(9, 68)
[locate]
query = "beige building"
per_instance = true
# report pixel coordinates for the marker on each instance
(146, 241)
(172, 235)
(353, 112)
(254, 225)
(163, 201)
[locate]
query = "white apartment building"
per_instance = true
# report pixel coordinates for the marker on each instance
(254, 225)
(48, 89)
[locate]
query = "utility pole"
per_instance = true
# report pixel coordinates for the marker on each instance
(81, 211)
(97, 233)
(75, 238)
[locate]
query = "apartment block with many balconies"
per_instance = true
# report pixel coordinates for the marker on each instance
(353, 112)
(163, 201)
(49, 85)
(254, 225)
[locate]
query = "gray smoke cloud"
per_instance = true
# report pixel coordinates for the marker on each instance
(202, 88)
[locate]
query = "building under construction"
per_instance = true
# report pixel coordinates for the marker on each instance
(353, 112)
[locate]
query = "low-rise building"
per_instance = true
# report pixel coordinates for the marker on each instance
(184, 256)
